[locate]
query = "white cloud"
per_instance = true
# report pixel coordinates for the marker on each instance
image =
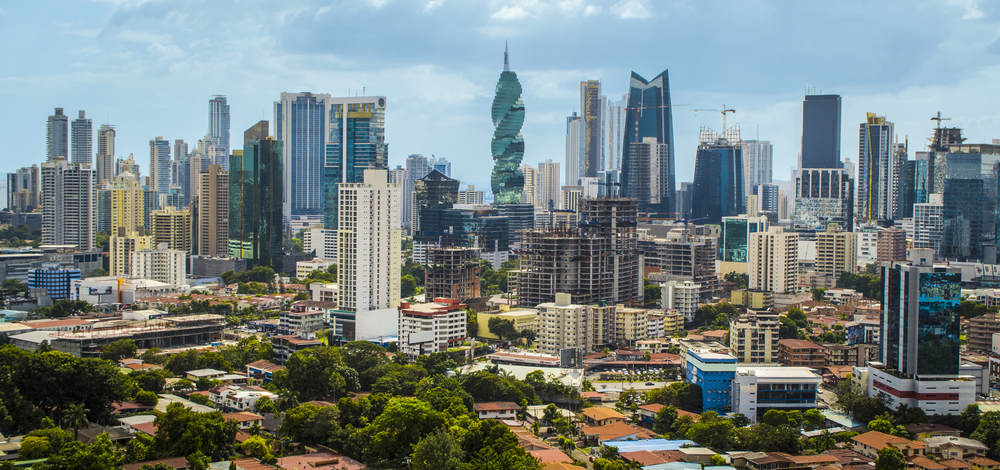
(509, 13)
(630, 10)
(592, 10)
(379, 3)
(89, 50)
(143, 36)
(165, 52)
(433, 5)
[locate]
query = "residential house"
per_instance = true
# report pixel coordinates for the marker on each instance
(953, 447)
(983, 463)
(869, 443)
(245, 420)
(263, 370)
(497, 410)
(598, 416)
(922, 431)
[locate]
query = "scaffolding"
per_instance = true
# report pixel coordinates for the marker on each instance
(452, 273)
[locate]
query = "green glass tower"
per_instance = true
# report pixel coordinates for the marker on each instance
(508, 143)
(255, 204)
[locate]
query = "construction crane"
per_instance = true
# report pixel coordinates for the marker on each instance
(937, 143)
(724, 111)
(635, 119)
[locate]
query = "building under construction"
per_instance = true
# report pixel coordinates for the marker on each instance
(170, 332)
(596, 261)
(452, 273)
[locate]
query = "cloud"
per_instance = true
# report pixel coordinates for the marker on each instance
(630, 10)
(592, 10)
(379, 3)
(143, 36)
(165, 52)
(433, 5)
(510, 13)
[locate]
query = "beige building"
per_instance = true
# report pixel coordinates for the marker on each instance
(173, 227)
(672, 322)
(562, 324)
(162, 264)
(836, 252)
(127, 202)
(212, 221)
(304, 268)
(752, 299)
(631, 324)
(753, 337)
(522, 319)
(123, 243)
(774, 261)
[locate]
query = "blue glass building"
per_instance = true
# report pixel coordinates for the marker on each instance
(920, 319)
(648, 115)
(356, 143)
(301, 123)
(718, 177)
(255, 205)
(714, 373)
(54, 279)
(507, 180)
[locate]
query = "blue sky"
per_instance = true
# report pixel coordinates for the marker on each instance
(150, 67)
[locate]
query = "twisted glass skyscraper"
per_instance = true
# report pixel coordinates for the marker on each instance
(508, 144)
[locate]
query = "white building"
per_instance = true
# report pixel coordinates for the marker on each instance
(753, 337)
(561, 325)
(655, 322)
(321, 241)
(530, 193)
(431, 327)
(304, 268)
(302, 323)
(369, 244)
(867, 245)
(680, 296)
(774, 261)
(928, 224)
(548, 185)
(757, 156)
(162, 264)
(323, 292)
(759, 389)
(942, 395)
(69, 204)
(471, 196)
(575, 148)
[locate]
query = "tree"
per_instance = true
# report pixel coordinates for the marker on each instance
(181, 431)
(403, 423)
(787, 328)
(98, 272)
(664, 419)
(988, 431)
(890, 458)
(881, 424)
(437, 451)
(408, 286)
(968, 421)
(813, 418)
(664, 395)
(651, 293)
(817, 294)
(143, 397)
(75, 417)
(914, 415)
(35, 448)
(798, 316)
(502, 327)
(257, 447)
(718, 460)
(865, 409)
(118, 350)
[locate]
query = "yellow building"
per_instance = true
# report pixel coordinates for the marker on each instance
(127, 202)
(673, 322)
(631, 324)
(173, 227)
(752, 299)
(523, 319)
(122, 244)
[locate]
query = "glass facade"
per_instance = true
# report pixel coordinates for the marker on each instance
(356, 142)
(938, 330)
(718, 183)
(301, 124)
(649, 115)
(255, 203)
(507, 180)
(54, 279)
(821, 132)
(736, 237)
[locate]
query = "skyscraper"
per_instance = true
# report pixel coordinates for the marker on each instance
(614, 133)
(370, 241)
(591, 117)
(255, 189)
(356, 142)
(213, 212)
(774, 261)
(159, 166)
(768, 197)
(127, 203)
(507, 181)
(172, 227)
(302, 124)
(644, 171)
(180, 149)
(82, 137)
(433, 192)
(820, 132)
(836, 253)
(218, 123)
(530, 193)
(757, 158)
(129, 165)
(105, 153)
(440, 164)
(69, 204)
(24, 188)
(876, 154)
(718, 176)
(575, 146)
(648, 115)
(822, 196)
(548, 185)
(416, 167)
(57, 136)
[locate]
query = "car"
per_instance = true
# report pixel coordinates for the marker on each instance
(650, 383)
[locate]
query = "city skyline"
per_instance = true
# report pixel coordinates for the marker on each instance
(139, 73)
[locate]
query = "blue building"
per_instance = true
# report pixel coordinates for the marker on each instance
(54, 279)
(356, 143)
(713, 372)
(718, 176)
(649, 115)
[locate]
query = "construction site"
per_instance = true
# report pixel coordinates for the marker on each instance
(161, 333)
(596, 261)
(452, 273)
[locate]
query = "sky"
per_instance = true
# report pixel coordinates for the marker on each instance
(149, 67)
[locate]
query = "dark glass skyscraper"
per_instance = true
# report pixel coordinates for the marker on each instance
(507, 180)
(648, 115)
(434, 192)
(718, 176)
(356, 143)
(820, 132)
(255, 206)
(920, 319)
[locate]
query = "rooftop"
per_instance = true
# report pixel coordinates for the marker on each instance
(598, 413)
(497, 406)
(799, 344)
(779, 372)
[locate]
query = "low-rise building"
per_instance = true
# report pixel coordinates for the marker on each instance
(522, 319)
(286, 345)
(801, 353)
(756, 390)
(713, 371)
(304, 268)
(263, 370)
(869, 443)
(244, 420)
(955, 447)
(753, 337)
(673, 321)
(497, 410)
(752, 299)
(563, 325)
(599, 416)
(431, 327)
(303, 323)
(681, 297)
(947, 395)
(655, 322)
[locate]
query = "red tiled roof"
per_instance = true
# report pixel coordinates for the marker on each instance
(496, 406)
(242, 416)
(176, 462)
(880, 440)
(613, 431)
(147, 428)
(550, 455)
(799, 344)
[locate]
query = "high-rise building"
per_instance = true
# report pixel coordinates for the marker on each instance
(161, 264)
(530, 193)
(171, 227)
(416, 167)
(836, 252)
(57, 136)
(891, 246)
(69, 204)
(734, 241)
(548, 185)
(614, 133)
(757, 159)
(128, 165)
(24, 188)
(823, 196)
(180, 149)
(82, 138)
(643, 175)
(774, 261)
(507, 181)
(218, 123)
(718, 176)
(159, 166)
(370, 242)
(470, 196)
(649, 115)
(105, 153)
(876, 154)
(768, 197)
(356, 143)
(440, 164)
(301, 123)
(753, 337)
(433, 192)
(920, 335)
(452, 273)
(820, 132)
(126, 203)
(591, 118)
(564, 324)
(255, 207)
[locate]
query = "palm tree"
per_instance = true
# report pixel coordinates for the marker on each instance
(75, 417)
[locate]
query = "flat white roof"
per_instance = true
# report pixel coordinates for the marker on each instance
(779, 372)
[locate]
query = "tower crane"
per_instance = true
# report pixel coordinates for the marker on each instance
(724, 111)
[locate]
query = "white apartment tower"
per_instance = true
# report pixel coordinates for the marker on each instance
(57, 136)
(575, 148)
(162, 264)
(774, 260)
(757, 157)
(369, 243)
(105, 153)
(69, 204)
(562, 324)
(82, 138)
(471, 196)
(218, 124)
(836, 252)
(548, 185)
(530, 193)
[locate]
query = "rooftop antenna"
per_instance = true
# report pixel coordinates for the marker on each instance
(506, 62)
